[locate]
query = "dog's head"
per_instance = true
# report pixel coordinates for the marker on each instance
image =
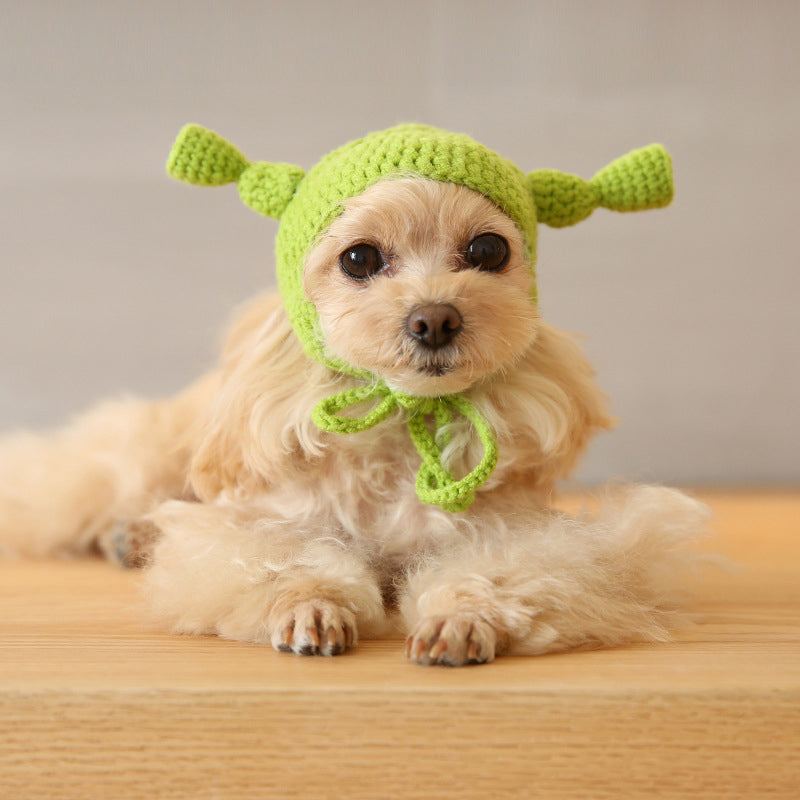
(424, 284)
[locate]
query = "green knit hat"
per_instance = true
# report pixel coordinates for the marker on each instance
(307, 203)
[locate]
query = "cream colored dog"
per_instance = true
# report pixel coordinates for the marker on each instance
(256, 525)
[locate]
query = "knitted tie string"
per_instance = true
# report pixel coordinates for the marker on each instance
(435, 484)
(326, 414)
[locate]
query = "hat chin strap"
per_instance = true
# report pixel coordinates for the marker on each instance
(435, 483)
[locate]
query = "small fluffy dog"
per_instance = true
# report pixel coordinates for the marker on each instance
(379, 444)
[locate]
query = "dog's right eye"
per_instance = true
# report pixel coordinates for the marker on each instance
(361, 261)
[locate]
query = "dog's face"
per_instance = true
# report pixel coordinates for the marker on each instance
(424, 284)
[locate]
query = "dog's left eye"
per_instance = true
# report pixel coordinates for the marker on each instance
(361, 261)
(488, 252)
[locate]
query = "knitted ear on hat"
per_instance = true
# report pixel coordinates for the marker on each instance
(638, 181)
(201, 157)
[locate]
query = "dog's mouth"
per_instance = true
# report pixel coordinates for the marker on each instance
(435, 370)
(429, 372)
(432, 374)
(435, 364)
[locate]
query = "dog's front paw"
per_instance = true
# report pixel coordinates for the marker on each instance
(453, 640)
(314, 627)
(129, 543)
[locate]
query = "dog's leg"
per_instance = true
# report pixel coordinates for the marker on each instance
(561, 584)
(62, 492)
(248, 575)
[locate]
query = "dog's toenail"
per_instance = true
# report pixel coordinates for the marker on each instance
(313, 634)
(438, 649)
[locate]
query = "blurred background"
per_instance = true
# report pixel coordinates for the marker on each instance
(115, 279)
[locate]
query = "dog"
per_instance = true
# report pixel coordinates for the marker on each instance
(263, 511)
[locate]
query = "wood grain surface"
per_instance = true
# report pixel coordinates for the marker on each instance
(97, 702)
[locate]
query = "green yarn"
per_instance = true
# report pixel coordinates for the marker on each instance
(306, 204)
(435, 484)
(326, 412)
(268, 188)
(638, 181)
(203, 158)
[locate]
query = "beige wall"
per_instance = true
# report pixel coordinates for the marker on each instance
(114, 278)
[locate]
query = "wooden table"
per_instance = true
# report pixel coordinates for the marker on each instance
(96, 702)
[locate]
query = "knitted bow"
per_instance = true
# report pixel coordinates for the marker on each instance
(435, 483)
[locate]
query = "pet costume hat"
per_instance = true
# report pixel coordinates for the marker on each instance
(307, 203)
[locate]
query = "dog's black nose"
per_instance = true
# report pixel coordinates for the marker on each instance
(434, 324)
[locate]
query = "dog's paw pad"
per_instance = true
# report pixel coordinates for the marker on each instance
(314, 627)
(452, 640)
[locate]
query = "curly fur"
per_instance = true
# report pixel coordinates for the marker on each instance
(270, 530)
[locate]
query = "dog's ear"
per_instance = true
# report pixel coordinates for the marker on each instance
(547, 408)
(256, 431)
(203, 158)
(638, 181)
